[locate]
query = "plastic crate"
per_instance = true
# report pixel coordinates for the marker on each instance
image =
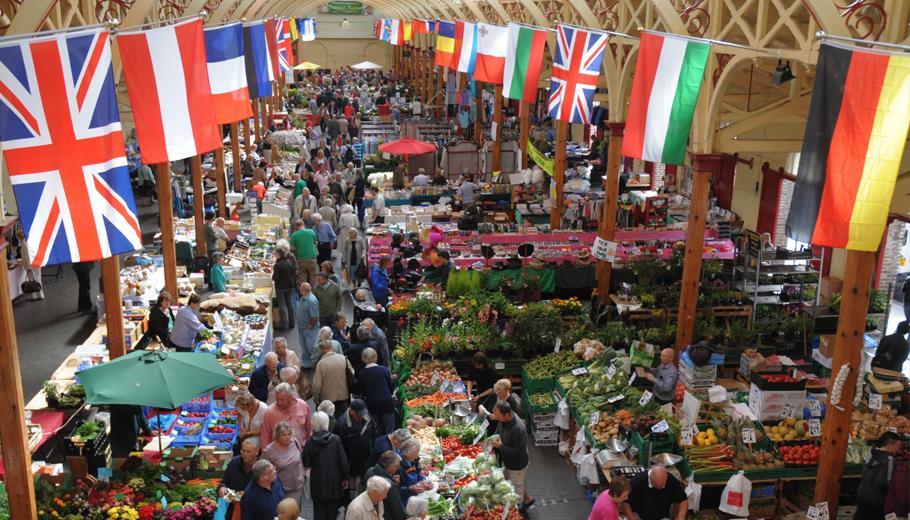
(199, 404)
(536, 410)
(652, 444)
(186, 440)
(167, 420)
(534, 386)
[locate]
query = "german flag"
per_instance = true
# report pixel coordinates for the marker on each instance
(855, 136)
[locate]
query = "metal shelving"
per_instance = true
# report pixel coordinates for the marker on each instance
(765, 277)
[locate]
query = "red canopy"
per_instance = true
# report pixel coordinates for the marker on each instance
(407, 146)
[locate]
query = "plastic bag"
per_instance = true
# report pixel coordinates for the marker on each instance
(561, 420)
(693, 494)
(581, 447)
(735, 498)
(222, 509)
(587, 470)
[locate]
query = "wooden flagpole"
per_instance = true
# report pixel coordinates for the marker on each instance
(443, 77)
(478, 122)
(235, 156)
(17, 458)
(256, 124)
(198, 204)
(220, 181)
(113, 306)
(166, 222)
(496, 132)
(559, 175)
(427, 78)
(247, 132)
(524, 122)
(607, 228)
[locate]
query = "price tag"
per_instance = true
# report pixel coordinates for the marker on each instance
(660, 427)
(645, 398)
(875, 401)
(815, 408)
(611, 372)
(891, 429)
(434, 379)
(557, 345)
(632, 378)
(749, 435)
(822, 510)
(685, 437)
(595, 417)
(789, 410)
(813, 513)
(500, 366)
(580, 371)
(815, 428)
(244, 366)
(483, 431)
(891, 516)
(226, 351)
(615, 398)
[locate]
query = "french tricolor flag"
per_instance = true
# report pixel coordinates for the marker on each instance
(227, 72)
(168, 86)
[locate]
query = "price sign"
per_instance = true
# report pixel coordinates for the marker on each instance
(557, 345)
(789, 410)
(822, 510)
(226, 351)
(660, 427)
(685, 437)
(749, 435)
(595, 417)
(244, 366)
(815, 408)
(434, 379)
(645, 398)
(891, 429)
(632, 378)
(603, 249)
(499, 366)
(813, 513)
(815, 428)
(615, 398)
(580, 371)
(611, 372)
(875, 401)
(891, 516)
(483, 431)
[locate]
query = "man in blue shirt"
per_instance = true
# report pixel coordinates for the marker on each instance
(325, 238)
(187, 325)
(307, 325)
(239, 471)
(262, 494)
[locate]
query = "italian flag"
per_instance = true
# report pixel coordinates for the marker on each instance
(668, 76)
(524, 59)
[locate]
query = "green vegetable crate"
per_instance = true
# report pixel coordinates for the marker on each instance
(652, 444)
(534, 386)
(536, 409)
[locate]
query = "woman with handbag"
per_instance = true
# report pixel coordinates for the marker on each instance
(352, 257)
(160, 318)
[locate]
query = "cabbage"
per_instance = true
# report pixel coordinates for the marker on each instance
(511, 498)
(502, 488)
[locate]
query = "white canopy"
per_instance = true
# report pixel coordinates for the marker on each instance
(363, 65)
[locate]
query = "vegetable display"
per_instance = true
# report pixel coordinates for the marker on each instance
(801, 454)
(551, 364)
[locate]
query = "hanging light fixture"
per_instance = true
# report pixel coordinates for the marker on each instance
(782, 74)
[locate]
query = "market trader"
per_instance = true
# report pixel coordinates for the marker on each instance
(665, 377)
(187, 325)
(893, 349)
(653, 496)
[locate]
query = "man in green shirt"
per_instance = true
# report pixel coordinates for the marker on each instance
(303, 245)
(298, 186)
(211, 240)
(329, 296)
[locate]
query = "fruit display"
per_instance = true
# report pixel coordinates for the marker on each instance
(441, 508)
(871, 425)
(801, 454)
(497, 513)
(606, 428)
(588, 349)
(643, 423)
(425, 435)
(549, 365)
(453, 447)
(756, 459)
(789, 429)
(710, 458)
(778, 378)
(590, 391)
(706, 438)
(858, 451)
(424, 374)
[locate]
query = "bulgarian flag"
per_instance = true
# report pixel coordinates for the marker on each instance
(668, 76)
(852, 148)
(524, 59)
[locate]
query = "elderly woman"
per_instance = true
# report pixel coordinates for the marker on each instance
(411, 480)
(417, 508)
(376, 383)
(351, 253)
(284, 276)
(288, 509)
(328, 407)
(347, 219)
(502, 391)
(325, 333)
(286, 356)
(252, 411)
(284, 453)
(325, 457)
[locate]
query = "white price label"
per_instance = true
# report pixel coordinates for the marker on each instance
(499, 366)
(483, 431)
(815, 428)
(226, 351)
(660, 427)
(891, 429)
(685, 437)
(815, 408)
(434, 379)
(891, 516)
(580, 371)
(789, 410)
(875, 401)
(813, 513)
(822, 510)
(615, 398)
(632, 378)
(749, 435)
(645, 398)
(595, 417)
(557, 345)
(611, 372)
(244, 366)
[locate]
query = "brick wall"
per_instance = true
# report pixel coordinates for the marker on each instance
(891, 255)
(780, 231)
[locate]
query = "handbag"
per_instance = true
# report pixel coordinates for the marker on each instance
(32, 288)
(350, 376)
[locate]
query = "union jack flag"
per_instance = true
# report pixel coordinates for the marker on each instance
(285, 45)
(576, 68)
(61, 137)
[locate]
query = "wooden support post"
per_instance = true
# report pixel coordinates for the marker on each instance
(235, 156)
(607, 228)
(16, 456)
(441, 84)
(166, 222)
(524, 122)
(478, 102)
(848, 344)
(427, 78)
(703, 165)
(247, 133)
(113, 306)
(256, 124)
(496, 131)
(559, 175)
(220, 182)
(198, 204)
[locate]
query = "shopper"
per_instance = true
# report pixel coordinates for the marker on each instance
(251, 411)
(439, 269)
(665, 377)
(417, 509)
(284, 276)
(327, 209)
(512, 446)
(357, 431)
(375, 383)
(263, 493)
(324, 456)
(387, 467)
(307, 326)
(239, 471)
(354, 353)
(502, 393)
(368, 505)
(330, 380)
(284, 452)
(265, 375)
(127, 424)
(388, 442)
(411, 480)
(303, 245)
(290, 409)
(160, 318)
(340, 331)
(877, 473)
(329, 269)
(608, 503)
(217, 278)
(468, 191)
(377, 215)
(379, 281)
(892, 350)
(329, 295)
(286, 356)
(83, 272)
(288, 509)
(381, 339)
(352, 257)
(481, 378)
(656, 495)
(897, 500)
(325, 237)
(187, 325)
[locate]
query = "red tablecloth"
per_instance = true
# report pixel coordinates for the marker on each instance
(49, 420)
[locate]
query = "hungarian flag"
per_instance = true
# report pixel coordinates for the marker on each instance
(445, 44)
(492, 42)
(524, 59)
(852, 148)
(465, 46)
(668, 76)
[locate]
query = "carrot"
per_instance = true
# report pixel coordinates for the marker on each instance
(436, 398)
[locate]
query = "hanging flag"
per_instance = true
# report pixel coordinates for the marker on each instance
(63, 145)
(284, 46)
(576, 68)
(308, 29)
(524, 60)
(292, 28)
(385, 30)
(397, 34)
(445, 44)
(465, 46)
(407, 31)
(227, 72)
(259, 72)
(377, 28)
(271, 39)
(492, 43)
(167, 81)
(419, 26)
(855, 138)
(668, 76)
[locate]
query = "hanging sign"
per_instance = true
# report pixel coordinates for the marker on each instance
(603, 250)
(546, 164)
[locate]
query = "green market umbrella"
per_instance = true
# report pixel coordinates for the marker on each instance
(163, 380)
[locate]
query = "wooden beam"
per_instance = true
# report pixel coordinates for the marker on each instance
(441, 91)
(703, 166)
(220, 182)
(113, 306)
(29, 19)
(559, 175)
(247, 133)
(607, 228)
(17, 458)
(478, 122)
(524, 125)
(731, 146)
(767, 115)
(256, 125)
(166, 222)
(235, 156)
(497, 127)
(198, 203)
(848, 344)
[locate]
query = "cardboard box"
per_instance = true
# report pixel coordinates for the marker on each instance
(826, 346)
(768, 405)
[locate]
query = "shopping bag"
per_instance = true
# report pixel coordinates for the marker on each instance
(221, 509)
(561, 420)
(735, 497)
(693, 494)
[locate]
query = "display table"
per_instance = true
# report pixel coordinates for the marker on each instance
(50, 421)
(550, 279)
